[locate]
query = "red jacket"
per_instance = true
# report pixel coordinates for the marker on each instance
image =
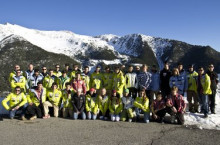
(159, 104)
(79, 84)
(177, 101)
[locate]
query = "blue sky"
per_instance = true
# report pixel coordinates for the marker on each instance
(191, 21)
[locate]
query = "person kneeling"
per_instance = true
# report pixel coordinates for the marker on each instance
(142, 105)
(115, 106)
(78, 101)
(17, 101)
(36, 98)
(54, 96)
(127, 112)
(158, 108)
(176, 106)
(91, 104)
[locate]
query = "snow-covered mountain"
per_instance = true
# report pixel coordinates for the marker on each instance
(78, 46)
(111, 49)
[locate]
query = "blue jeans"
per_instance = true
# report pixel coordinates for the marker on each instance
(204, 101)
(13, 112)
(83, 115)
(91, 115)
(146, 115)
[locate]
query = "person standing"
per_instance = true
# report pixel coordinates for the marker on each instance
(44, 72)
(108, 80)
(178, 81)
(131, 82)
(30, 72)
(165, 75)
(34, 79)
(144, 80)
(96, 79)
(62, 80)
(118, 81)
(79, 84)
(204, 89)
(155, 83)
(18, 80)
(214, 82)
(86, 77)
(13, 73)
(49, 80)
(192, 89)
(57, 71)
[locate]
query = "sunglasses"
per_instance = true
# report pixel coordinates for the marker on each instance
(44, 69)
(17, 90)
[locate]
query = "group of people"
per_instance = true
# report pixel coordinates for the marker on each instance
(125, 94)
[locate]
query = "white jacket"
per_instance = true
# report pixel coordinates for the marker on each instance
(127, 102)
(131, 80)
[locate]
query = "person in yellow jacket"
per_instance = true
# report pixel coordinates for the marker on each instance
(142, 106)
(96, 79)
(49, 80)
(62, 80)
(74, 72)
(67, 94)
(108, 80)
(115, 106)
(118, 81)
(36, 97)
(57, 71)
(203, 88)
(54, 95)
(17, 101)
(103, 104)
(13, 73)
(91, 104)
(18, 80)
(192, 90)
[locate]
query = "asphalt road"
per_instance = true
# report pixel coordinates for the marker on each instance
(58, 131)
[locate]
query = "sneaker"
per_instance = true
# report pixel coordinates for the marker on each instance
(101, 117)
(46, 116)
(33, 117)
(173, 118)
(23, 118)
(205, 115)
(105, 118)
(129, 120)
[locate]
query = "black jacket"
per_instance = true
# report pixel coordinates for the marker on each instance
(214, 79)
(78, 103)
(164, 79)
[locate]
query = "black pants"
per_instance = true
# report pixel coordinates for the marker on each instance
(160, 114)
(33, 110)
(212, 100)
(165, 93)
(106, 114)
(179, 115)
(133, 92)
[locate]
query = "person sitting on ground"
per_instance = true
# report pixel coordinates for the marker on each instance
(127, 102)
(17, 101)
(67, 105)
(103, 103)
(54, 96)
(176, 106)
(158, 108)
(142, 106)
(78, 101)
(91, 104)
(115, 106)
(36, 98)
